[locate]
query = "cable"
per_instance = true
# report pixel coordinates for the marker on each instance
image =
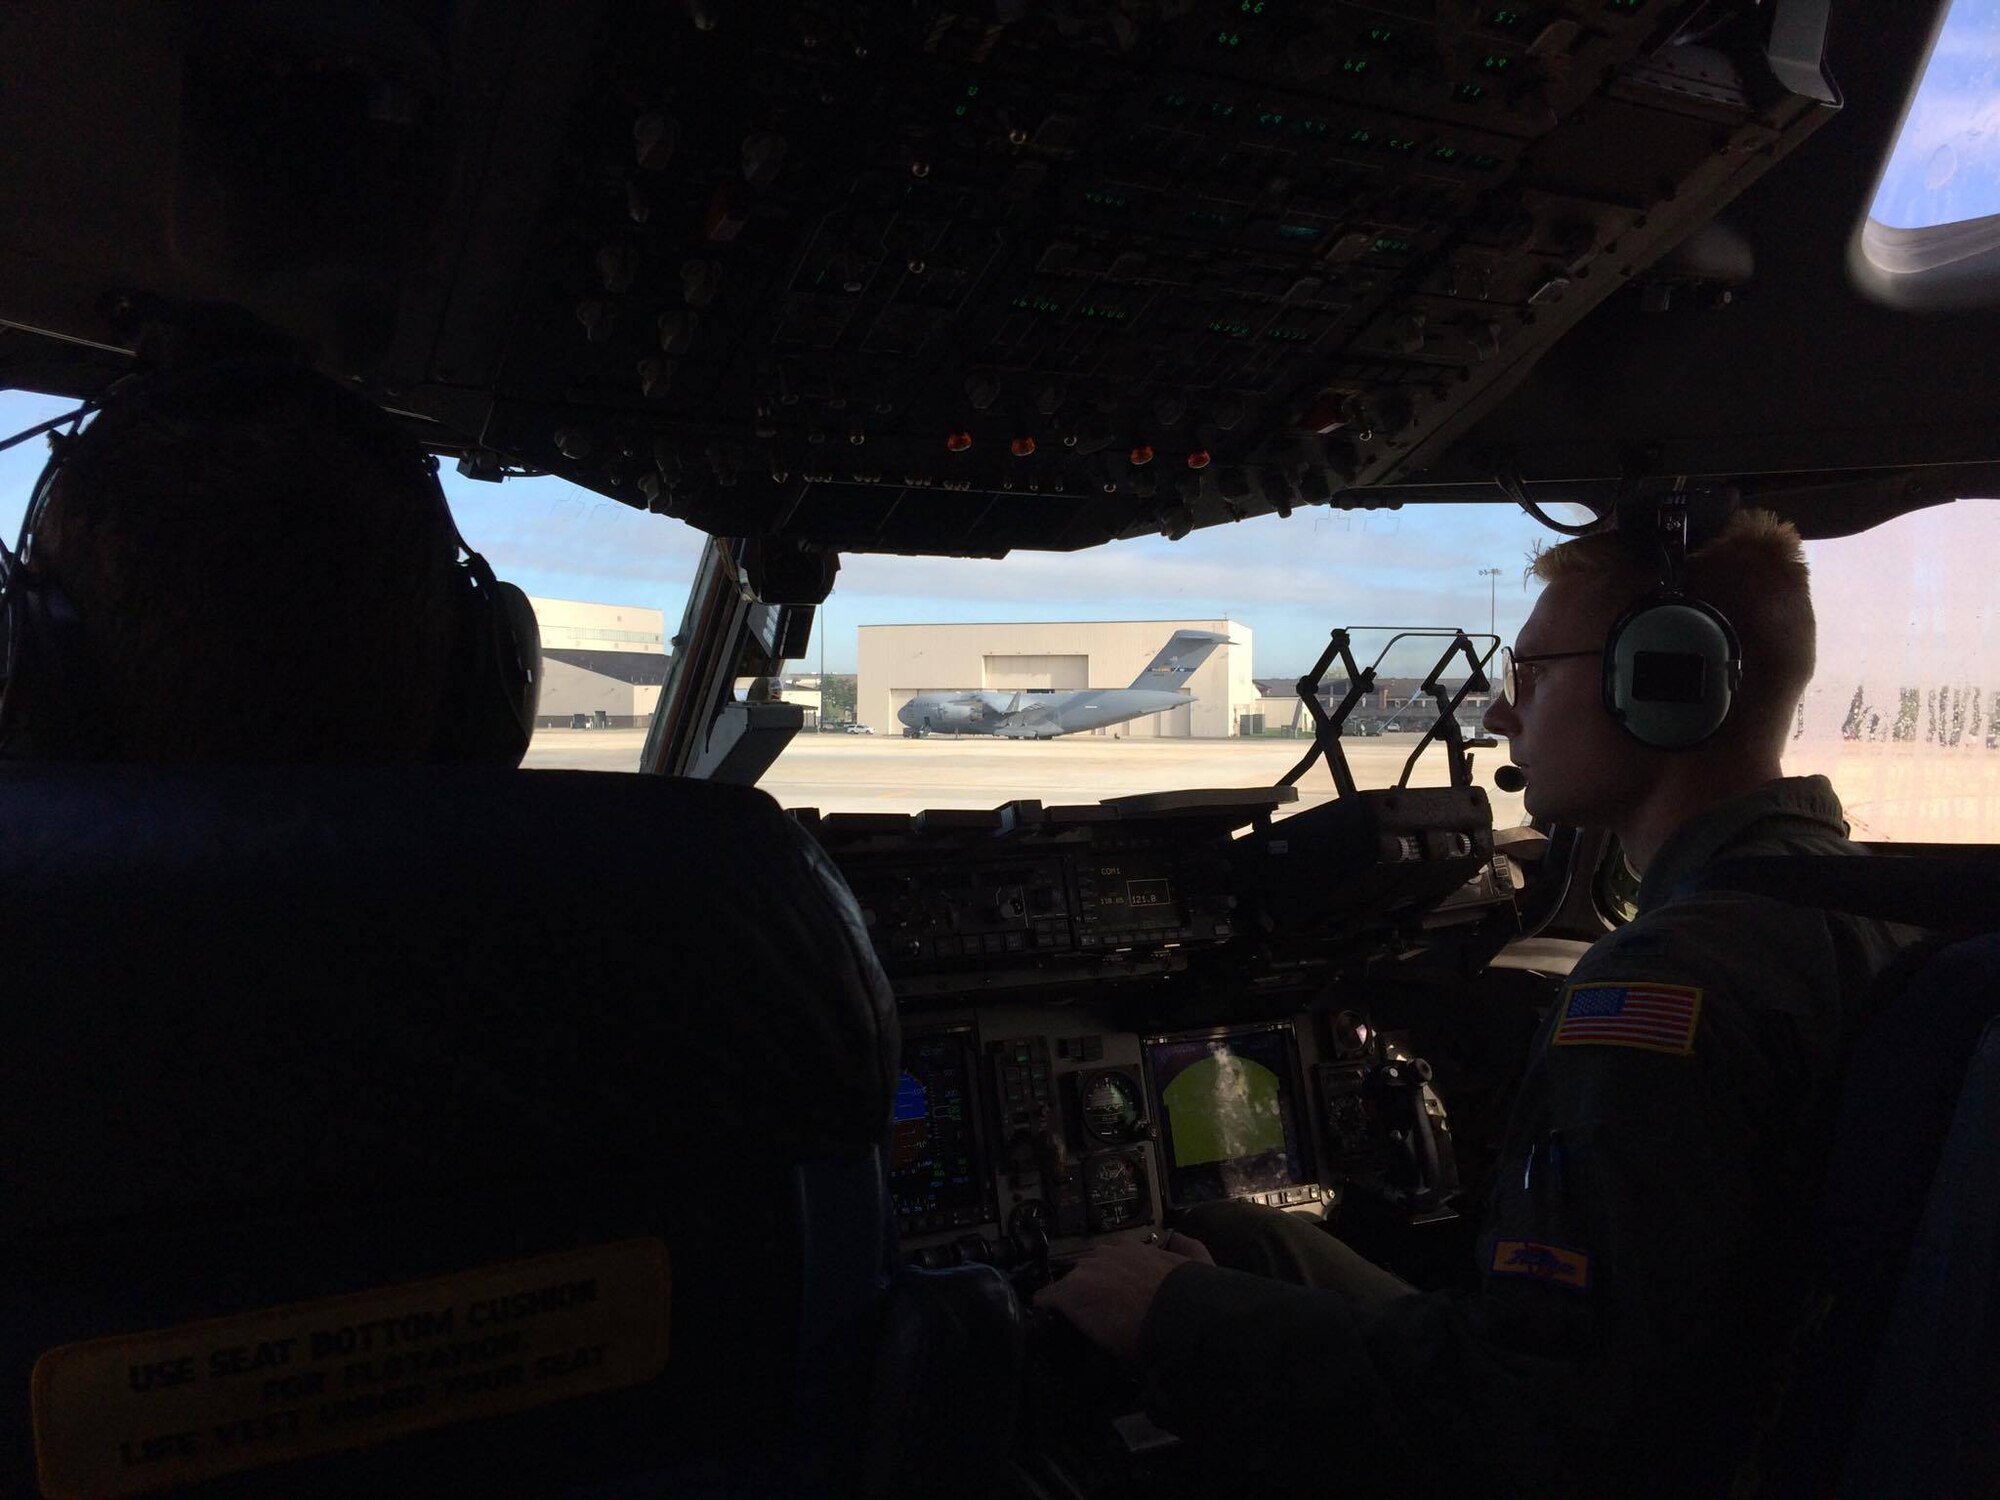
(1510, 486)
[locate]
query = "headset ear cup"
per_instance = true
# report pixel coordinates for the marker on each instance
(496, 673)
(1672, 666)
(519, 651)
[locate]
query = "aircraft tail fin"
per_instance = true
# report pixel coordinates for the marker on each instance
(1180, 659)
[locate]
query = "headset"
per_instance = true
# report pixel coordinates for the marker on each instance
(48, 701)
(1672, 664)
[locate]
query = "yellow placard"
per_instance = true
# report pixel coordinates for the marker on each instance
(120, 1416)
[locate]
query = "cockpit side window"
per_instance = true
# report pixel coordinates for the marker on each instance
(1933, 230)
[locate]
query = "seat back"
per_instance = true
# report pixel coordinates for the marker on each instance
(1898, 1374)
(370, 1132)
(1927, 1424)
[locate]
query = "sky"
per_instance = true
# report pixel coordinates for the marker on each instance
(1908, 603)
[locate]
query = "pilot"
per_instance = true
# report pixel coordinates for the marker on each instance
(1642, 1276)
(249, 564)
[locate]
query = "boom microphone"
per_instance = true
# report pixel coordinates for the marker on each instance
(1509, 779)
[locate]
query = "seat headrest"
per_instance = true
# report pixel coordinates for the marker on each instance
(227, 985)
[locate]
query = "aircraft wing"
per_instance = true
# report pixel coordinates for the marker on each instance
(1034, 716)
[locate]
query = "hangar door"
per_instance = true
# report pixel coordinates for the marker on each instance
(1011, 672)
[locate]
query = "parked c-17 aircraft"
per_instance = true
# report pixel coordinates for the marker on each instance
(1041, 714)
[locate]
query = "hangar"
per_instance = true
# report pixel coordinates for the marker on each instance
(896, 662)
(602, 664)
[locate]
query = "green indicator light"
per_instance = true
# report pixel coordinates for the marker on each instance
(1297, 232)
(1252, 7)
(1625, 7)
(1504, 19)
(1360, 137)
(1269, 121)
(1221, 111)
(1482, 161)
(1105, 200)
(1495, 62)
(1403, 143)
(1354, 65)
(1381, 36)
(959, 110)
(1232, 330)
(972, 91)
(1311, 127)
(1174, 101)
(1444, 153)
(1208, 218)
(1229, 39)
(1389, 244)
(1469, 93)
(1288, 335)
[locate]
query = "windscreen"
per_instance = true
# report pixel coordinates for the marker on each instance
(1229, 1113)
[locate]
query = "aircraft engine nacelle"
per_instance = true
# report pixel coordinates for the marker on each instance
(956, 713)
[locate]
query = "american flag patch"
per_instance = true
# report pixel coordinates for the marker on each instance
(1540, 1261)
(1651, 1017)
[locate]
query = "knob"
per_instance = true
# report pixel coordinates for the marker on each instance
(677, 331)
(654, 137)
(656, 377)
(700, 280)
(763, 155)
(599, 319)
(982, 390)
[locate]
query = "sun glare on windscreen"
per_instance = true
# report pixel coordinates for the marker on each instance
(1945, 167)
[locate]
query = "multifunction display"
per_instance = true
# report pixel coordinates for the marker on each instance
(937, 1175)
(1228, 1112)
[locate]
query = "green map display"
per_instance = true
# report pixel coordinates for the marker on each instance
(1223, 1108)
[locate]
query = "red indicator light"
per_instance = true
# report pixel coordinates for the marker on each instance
(1198, 459)
(1141, 456)
(958, 442)
(1023, 446)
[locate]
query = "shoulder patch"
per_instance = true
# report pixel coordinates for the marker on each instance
(1629, 1013)
(1556, 1264)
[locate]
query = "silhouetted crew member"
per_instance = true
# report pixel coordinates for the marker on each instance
(1640, 1264)
(242, 562)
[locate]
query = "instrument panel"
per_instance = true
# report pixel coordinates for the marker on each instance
(1114, 1013)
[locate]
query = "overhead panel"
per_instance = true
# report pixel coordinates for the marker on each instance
(1043, 276)
(937, 279)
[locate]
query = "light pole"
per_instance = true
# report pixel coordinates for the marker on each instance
(1492, 577)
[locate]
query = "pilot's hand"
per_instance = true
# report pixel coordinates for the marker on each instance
(1109, 1293)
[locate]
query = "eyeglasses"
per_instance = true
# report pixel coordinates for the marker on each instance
(1511, 665)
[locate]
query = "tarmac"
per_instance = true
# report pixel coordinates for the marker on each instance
(887, 773)
(1895, 792)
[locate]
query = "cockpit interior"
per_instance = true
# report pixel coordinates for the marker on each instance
(357, 1149)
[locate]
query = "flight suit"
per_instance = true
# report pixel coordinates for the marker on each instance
(1642, 1261)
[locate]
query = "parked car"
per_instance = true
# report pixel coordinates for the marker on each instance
(859, 729)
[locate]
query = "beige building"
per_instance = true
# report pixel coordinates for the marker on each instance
(602, 664)
(896, 662)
